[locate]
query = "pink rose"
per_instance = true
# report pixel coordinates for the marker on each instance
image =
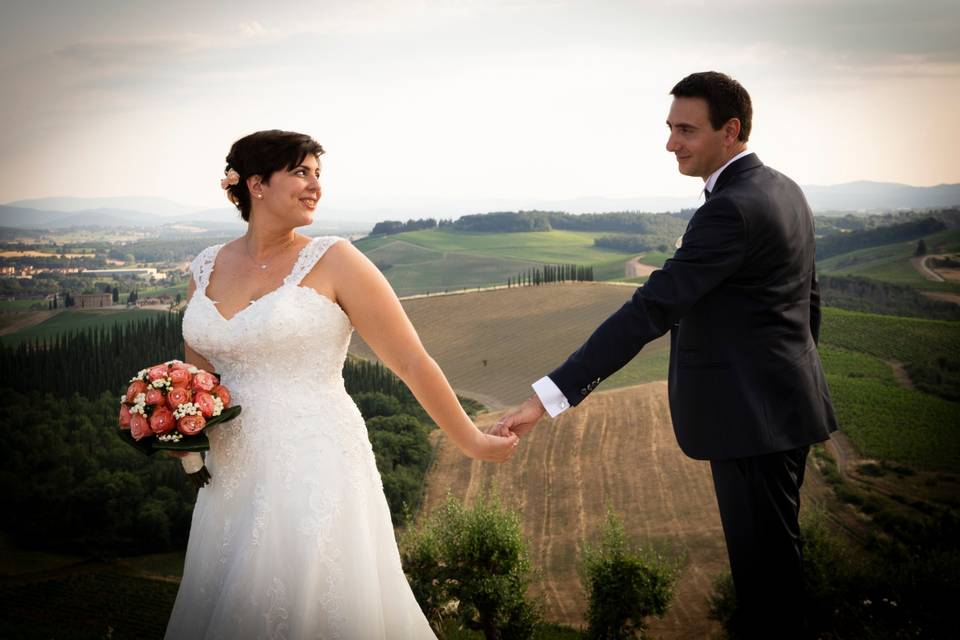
(177, 396)
(204, 402)
(136, 388)
(139, 427)
(124, 416)
(179, 377)
(223, 393)
(191, 425)
(162, 420)
(157, 372)
(203, 381)
(154, 396)
(179, 365)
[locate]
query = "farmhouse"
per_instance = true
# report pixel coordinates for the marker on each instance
(94, 300)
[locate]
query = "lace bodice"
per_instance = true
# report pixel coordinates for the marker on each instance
(288, 331)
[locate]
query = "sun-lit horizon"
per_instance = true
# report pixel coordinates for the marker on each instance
(420, 102)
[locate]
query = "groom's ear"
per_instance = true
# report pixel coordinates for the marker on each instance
(731, 131)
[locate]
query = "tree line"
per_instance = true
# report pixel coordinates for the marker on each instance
(388, 227)
(843, 243)
(548, 273)
(873, 296)
(634, 222)
(629, 244)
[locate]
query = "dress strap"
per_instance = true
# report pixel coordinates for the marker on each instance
(309, 256)
(202, 266)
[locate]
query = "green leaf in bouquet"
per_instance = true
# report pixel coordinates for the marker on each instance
(143, 446)
(227, 414)
(198, 442)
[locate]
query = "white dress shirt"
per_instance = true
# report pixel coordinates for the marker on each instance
(549, 393)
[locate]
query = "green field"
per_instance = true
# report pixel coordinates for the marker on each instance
(412, 269)
(891, 262)
(890, 337)
(884, 420)
(441, 260)
(22, 305)
(75, 320)
(891, 423)
(541, 246)
(156, 292)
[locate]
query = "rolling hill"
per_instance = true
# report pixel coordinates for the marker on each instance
(893, 262)
(493, 344)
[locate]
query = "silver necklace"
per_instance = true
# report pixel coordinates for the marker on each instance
(263, 265)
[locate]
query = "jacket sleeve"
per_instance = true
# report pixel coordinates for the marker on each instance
(815, 307)
(712, 249)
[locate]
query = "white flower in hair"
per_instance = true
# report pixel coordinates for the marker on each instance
(230, 179)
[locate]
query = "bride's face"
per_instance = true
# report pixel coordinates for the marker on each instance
(292, 195)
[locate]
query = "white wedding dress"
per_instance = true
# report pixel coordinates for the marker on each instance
(292, 538)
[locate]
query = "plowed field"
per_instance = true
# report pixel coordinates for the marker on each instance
(616, 449)
(493, 344)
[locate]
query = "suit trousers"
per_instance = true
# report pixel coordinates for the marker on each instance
(759, 500)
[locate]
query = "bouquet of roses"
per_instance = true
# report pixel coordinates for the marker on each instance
(168, 406)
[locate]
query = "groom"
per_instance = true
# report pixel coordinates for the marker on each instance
(741, 302)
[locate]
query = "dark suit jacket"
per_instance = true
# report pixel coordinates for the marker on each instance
(741, 298)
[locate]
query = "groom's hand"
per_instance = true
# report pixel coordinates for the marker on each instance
(520, 420)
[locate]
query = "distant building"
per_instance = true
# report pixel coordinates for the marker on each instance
(93, 300)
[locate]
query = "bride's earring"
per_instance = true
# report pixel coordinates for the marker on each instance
(260, 196)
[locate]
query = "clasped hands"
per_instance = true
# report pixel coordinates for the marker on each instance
(520, 420)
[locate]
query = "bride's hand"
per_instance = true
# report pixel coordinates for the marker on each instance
(491, 448)
(177, 454)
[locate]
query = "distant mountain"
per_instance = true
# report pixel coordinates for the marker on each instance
(55, 213)
(157, 206)
(875, 196)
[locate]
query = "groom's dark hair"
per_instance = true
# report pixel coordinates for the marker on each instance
(726, 98)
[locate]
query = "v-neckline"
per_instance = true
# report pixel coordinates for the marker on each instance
(283, 284)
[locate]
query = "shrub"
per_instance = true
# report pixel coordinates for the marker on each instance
(472, 564)
(624, 584)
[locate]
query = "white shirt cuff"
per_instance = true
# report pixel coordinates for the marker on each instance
(550, 395)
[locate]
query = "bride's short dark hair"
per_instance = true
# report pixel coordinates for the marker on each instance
(263, 153)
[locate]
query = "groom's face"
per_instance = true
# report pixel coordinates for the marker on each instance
(698, 148)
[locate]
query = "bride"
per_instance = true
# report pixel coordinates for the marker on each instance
(292, 538)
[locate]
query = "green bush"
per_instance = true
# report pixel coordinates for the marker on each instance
(472, 565)
(624, 585)
(905, 587)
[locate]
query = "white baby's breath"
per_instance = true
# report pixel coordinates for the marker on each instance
(193, 370)
(186, 409)
(217, 406)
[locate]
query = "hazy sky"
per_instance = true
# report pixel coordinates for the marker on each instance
(463, 100)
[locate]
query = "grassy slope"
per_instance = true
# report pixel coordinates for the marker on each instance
(542, 246)
(74, 320)
(442, 260)
(885, 420)
(891, 262)
(415, 269)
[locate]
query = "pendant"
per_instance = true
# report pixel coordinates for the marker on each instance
(263, 266)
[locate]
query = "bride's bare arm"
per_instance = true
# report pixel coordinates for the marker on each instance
(373, 308)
